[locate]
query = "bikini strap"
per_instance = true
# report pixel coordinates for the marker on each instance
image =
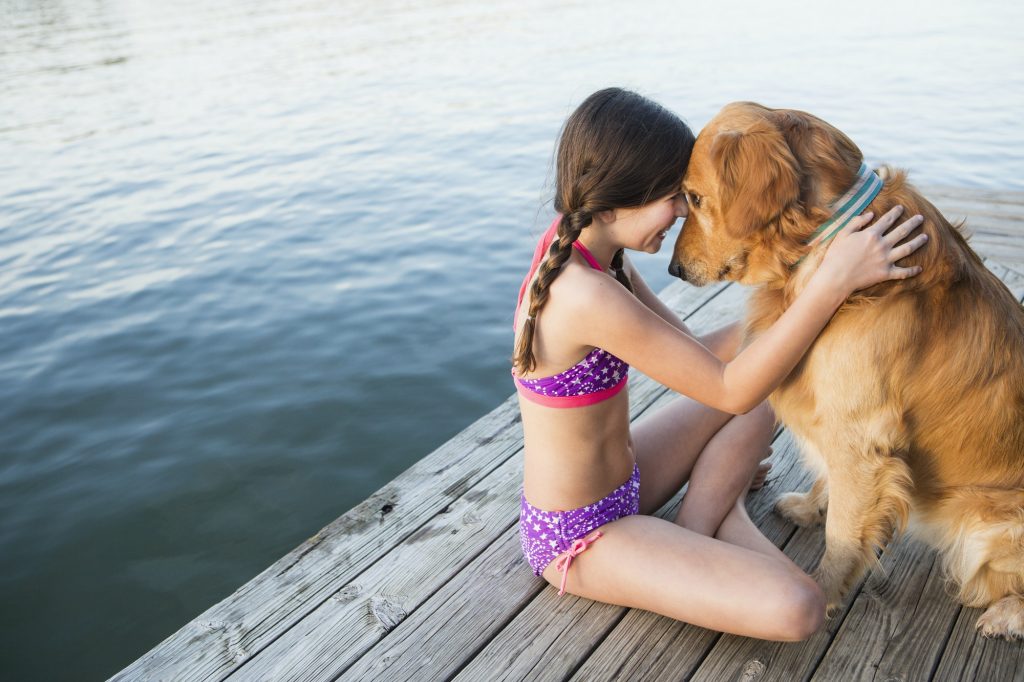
(589, 256)
(538, 255)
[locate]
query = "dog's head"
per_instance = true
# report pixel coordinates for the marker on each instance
(756, 184)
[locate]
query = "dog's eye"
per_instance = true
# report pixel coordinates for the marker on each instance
(694, 199)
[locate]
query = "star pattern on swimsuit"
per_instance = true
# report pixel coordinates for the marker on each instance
(544, 535)
(591, 374)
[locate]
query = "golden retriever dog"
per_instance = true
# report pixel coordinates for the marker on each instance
(909, 406)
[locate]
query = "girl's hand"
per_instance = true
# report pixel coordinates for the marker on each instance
(858, 258)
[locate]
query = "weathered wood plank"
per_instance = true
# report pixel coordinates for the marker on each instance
(973, 195)
(1007, 250)
(994, 219)
(969, 656)
(1010, 257)
(927, 632)
(1001, 214)
(894, 610)
(991, 222)
(995, 223)
(953, 207)
(1011, 276)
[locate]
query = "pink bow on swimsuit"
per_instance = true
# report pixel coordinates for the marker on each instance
(566, 559)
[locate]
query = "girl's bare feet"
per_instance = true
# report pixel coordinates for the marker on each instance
(757, 482)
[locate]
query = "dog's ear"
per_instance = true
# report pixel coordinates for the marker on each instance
(759, 176)
(824, 152)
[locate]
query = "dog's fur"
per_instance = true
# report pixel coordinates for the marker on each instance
(910, 404)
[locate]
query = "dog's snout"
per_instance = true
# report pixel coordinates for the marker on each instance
(675, 268)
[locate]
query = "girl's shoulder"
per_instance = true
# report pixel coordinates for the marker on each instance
(581, 297)
(580, 285)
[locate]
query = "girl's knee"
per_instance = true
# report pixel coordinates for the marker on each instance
(803, 610)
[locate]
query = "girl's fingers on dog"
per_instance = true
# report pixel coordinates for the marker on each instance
(896, 272)
(907, 248)
(857, 223)
(903, 229)
(887, 219)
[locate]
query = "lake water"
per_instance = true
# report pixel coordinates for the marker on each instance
(258, 258)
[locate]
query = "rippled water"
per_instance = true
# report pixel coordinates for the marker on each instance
(258, 258)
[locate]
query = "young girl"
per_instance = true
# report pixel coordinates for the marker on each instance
(621, 159)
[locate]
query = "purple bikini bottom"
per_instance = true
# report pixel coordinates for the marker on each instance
(545, 535)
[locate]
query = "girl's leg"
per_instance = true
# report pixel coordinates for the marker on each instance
(716, 452)
(653, 564)
(738, 529)
(723, 471)
(666, 445)
(719, 471)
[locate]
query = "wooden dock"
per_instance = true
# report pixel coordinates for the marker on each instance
(425, 579)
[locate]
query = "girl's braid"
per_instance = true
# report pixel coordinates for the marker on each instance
(569, 229)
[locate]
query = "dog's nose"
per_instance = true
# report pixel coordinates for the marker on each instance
(675, 269)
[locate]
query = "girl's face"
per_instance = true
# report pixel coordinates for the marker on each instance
(644, 228)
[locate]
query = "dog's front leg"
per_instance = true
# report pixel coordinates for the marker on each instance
(868, 502)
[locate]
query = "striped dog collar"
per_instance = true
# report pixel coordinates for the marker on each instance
(847, 207)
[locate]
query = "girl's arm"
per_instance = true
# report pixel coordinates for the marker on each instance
(650, 299)
(613, 320)
(724, 342)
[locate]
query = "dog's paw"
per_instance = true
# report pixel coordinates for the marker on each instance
(834, 587)
(1005, 619)
(800, 509)
(833, 599)
(833, 596)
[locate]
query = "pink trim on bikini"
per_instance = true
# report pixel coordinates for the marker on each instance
(570, 400)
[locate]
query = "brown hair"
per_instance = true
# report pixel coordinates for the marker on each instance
(617, 150)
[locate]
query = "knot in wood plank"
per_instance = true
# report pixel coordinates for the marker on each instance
(346, 594)
(388, 613)
(231, 638)
(753, 670)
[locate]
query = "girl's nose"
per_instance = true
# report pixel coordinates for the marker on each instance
(682, 208)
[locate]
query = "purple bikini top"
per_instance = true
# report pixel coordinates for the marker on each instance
(598, 376)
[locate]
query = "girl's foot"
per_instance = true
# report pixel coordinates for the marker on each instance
(760, 475)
